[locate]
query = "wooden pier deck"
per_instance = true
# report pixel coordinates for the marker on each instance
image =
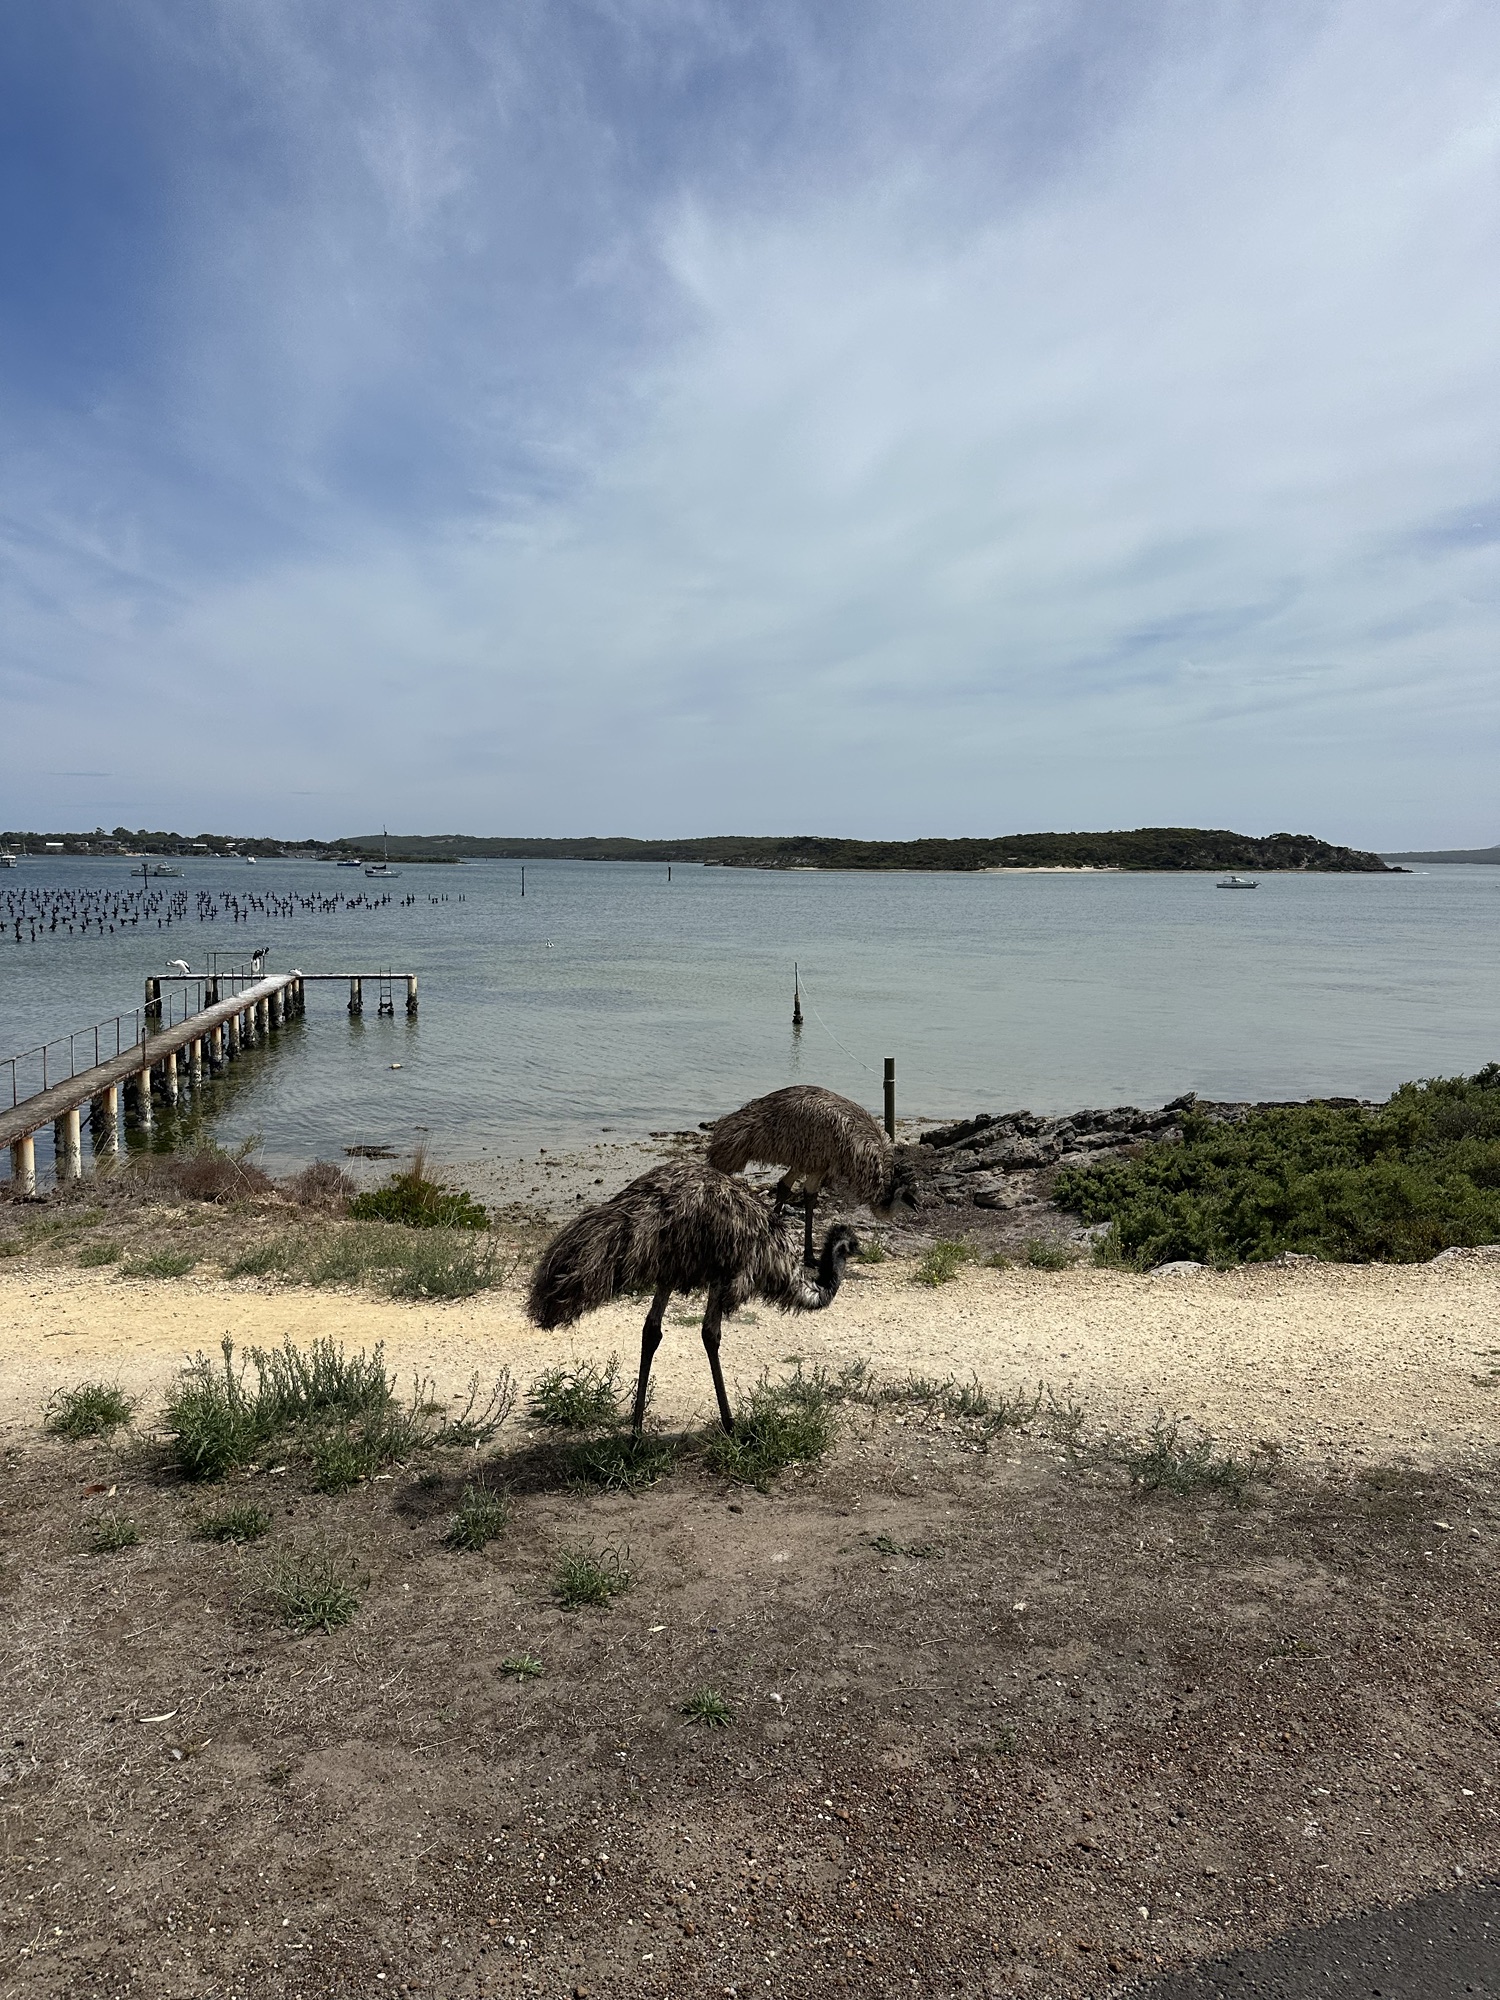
(210, 1038)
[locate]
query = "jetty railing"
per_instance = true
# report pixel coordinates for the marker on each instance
(96, 1038)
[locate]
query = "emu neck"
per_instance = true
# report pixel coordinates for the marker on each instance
(830, 1266)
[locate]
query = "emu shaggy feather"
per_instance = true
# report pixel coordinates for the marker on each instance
(812, 1132)
(683, 1228)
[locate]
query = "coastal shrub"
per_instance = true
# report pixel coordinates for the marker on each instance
(1169, 1463)
(792, 1422)
(92, 1255)
(419, 1203)
(211, 1173)
(942, 1262)
(576, 1399)
(1389, 1183)
(338, 1412)
(160, 1264)
(93, 1409)
(620, 1462)
(481, 1516)
(1043, 1254)
(324, 1184)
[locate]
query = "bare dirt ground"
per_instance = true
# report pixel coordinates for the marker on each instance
(1001, 1724)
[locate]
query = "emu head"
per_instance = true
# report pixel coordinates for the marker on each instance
(839, 1245)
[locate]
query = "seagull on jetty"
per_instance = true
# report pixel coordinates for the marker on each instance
(180, 965)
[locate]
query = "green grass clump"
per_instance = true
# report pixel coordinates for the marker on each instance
(314, 1591)
(1389, 1183)
(873, 1252)
(792, 1422)
(576, 1399)
(481, 1516)
(522, 1667)
(1168, 1463)
(942, 1262)
(161, 1264)
(94, 1254)
(338, 1411)
(113, 1532)
(707, 1707)
(93, 1409)
(591, 1577)
(234, 1524)
(622, 1462)
(1043, 1254)
(419, 1203)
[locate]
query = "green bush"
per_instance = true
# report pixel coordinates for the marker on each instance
(1390, 1183)
(1042, 1254)
(340, 1412)
(576, 1399)
(942, 1262)
(481, 1516)
(161, 1264)
(412, 1199)
(791, 1422)
(92, 1255)
(93, 1409)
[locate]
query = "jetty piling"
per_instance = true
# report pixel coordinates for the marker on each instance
(168, 1056)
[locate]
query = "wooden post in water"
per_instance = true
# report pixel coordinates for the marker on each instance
(890, 1098)
(523, 878)
(195, 1059)
(104, 1121)
(143, 1097)
(153, 1002)
(796, 996)
(356, 996)
(411, 993)
(23, 1164)
(67, 1147)
(169, 1075)
(232, 1038)
(216, 1050)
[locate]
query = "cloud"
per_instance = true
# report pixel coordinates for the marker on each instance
(658, 419)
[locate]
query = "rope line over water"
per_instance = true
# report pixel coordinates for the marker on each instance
(802, 980)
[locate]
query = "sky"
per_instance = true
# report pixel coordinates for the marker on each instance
(664, 417)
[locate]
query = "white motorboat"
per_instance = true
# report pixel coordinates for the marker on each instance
(7, 861)
(1237, 882)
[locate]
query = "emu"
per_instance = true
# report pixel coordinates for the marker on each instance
(814, 1133)
(683, 1228)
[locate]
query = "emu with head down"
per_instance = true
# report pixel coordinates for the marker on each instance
(683, 1228)
(813, 1134)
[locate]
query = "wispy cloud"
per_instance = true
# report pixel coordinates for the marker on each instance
(661, 418)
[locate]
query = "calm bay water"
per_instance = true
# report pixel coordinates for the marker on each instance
(610, 997)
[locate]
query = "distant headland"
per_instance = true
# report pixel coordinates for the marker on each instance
(1485, 856)
(1145, 848)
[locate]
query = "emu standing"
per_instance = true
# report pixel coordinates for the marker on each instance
(814, 1133)
(683, 1228)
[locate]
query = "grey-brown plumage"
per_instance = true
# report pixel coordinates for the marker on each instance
(814, 1135)
(683, 1227)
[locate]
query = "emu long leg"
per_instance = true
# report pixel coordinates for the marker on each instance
(809, 1203)
(650, 1341)
(712, 1320)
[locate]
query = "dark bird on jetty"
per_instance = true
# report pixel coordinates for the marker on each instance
(683, 1227)
(813, 1134)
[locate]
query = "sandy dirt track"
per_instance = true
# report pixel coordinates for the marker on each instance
(1365, 1363)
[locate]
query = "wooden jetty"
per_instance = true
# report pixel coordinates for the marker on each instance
(206, 1041)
